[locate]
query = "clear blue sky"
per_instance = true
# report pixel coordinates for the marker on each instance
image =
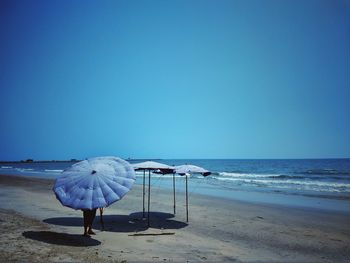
(174, 79)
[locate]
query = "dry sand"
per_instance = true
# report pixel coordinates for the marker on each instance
(37, 228)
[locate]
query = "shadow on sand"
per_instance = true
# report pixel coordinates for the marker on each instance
(55, 238)
(123, 223)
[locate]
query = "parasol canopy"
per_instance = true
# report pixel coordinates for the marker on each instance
(94, 183)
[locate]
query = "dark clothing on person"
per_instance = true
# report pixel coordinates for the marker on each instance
(89, 216)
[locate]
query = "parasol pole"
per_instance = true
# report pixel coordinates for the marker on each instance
(149, 194)
(186, 199)
(143, 199)
(101, 219)
(174, 193)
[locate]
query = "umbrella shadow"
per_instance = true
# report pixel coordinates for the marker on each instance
(65, 221)
(152, 215)
(64, 239)
(112, 223)
(159, 220)
(123, 223)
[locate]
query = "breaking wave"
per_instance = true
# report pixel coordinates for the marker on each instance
(325, 172)
(54, 170)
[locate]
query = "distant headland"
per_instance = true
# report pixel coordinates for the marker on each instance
(68, 161)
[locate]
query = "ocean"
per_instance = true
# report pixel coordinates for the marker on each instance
(316, 183)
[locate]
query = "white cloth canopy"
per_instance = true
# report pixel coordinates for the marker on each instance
(190, 169)
(150, 165)
(94, 183)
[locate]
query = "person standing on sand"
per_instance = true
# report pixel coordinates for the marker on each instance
(89, 216)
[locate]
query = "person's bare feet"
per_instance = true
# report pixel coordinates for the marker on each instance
(91, 232)
(86, 235)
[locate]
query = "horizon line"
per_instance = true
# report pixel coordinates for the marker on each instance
(30, 160)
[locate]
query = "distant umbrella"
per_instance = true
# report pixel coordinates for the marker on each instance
(191, 169)
(150, 166)
(94, 183)
(188, 170)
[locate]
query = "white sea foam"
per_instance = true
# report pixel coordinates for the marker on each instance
(310, 183)
(246, 175)
(298, 182)
(6, 167)
(229, 179)
(291, 184)
(27, 170)
(54, 171)
(156, 175)
(24, 169)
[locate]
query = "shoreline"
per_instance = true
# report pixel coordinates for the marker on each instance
(312, 184)
(331, 204)
(219, 230)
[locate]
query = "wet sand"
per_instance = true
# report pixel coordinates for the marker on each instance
(37, 228)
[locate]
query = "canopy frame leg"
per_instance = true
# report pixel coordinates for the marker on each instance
(149, 196)
(101, 219)
(186, 198)
(143, 194)
(174, 193)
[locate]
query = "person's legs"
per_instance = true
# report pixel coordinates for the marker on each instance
(86, 222)
(92, 217)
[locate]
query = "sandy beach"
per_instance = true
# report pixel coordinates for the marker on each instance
(37, 228)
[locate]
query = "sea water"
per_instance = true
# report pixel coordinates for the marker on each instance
(316, 183)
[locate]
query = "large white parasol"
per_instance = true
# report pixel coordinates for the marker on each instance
(94, 183)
